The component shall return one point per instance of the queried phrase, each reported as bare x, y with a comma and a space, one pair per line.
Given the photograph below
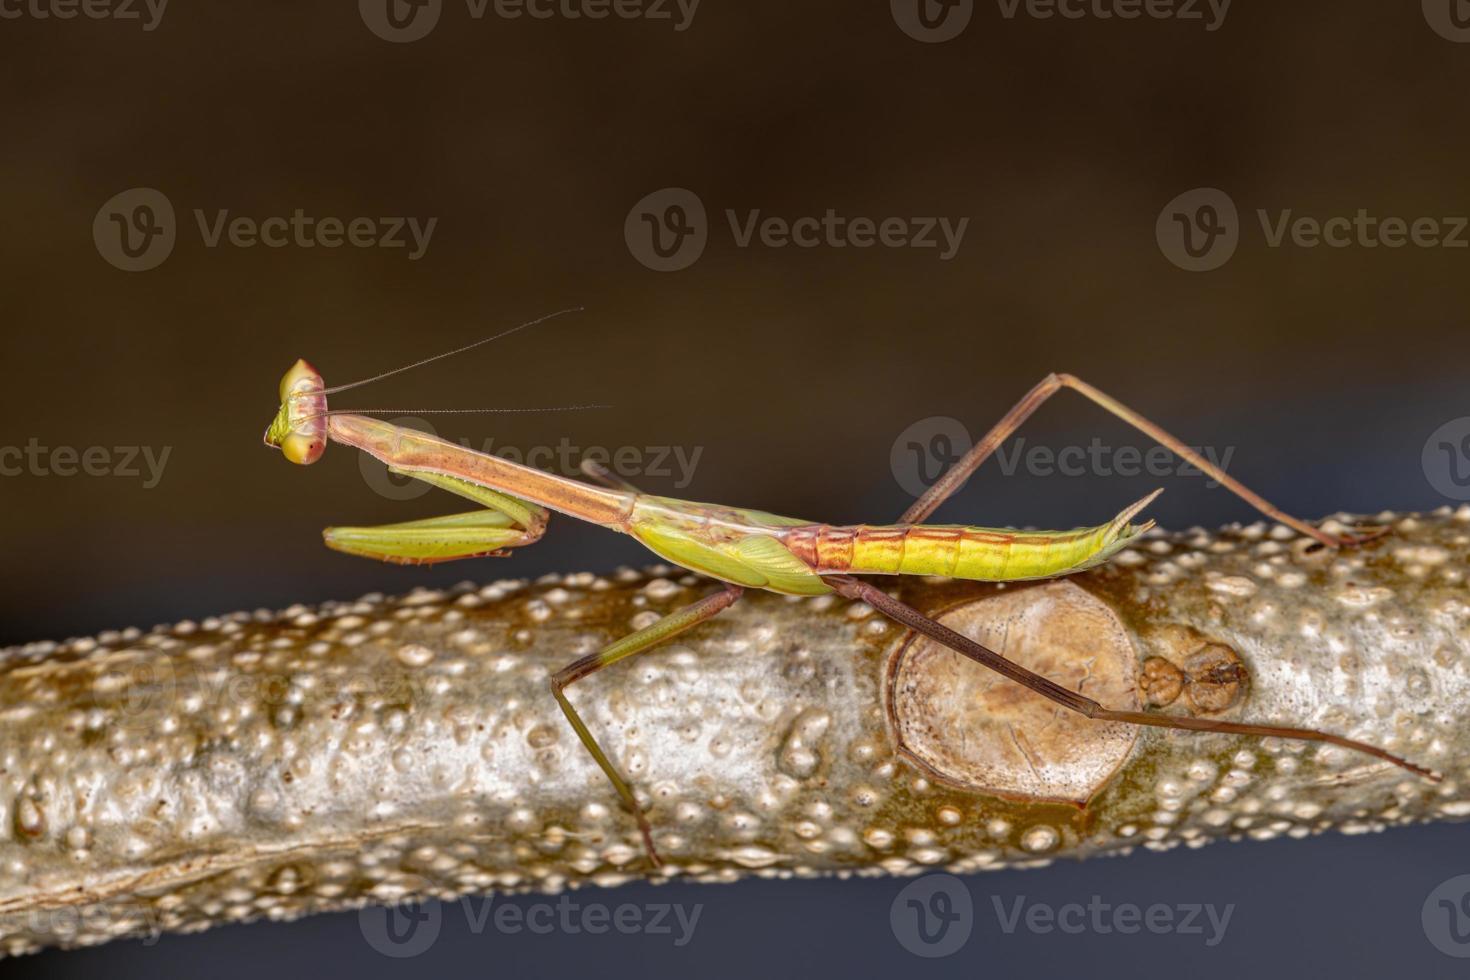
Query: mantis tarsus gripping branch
749, 548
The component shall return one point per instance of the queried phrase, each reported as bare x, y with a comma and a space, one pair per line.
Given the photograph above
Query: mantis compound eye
303, 450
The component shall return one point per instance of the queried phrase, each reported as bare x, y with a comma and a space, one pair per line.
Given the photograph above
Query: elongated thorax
410, 450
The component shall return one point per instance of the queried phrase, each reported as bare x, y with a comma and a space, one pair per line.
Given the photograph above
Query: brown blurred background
792, 370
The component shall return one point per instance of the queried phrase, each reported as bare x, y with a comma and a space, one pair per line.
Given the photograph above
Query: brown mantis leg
961, 471
906, 615
650, 636
598, 473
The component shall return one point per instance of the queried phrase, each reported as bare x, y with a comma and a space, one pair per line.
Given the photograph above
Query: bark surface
385, 749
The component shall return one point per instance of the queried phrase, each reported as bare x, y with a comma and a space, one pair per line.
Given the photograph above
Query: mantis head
299, 429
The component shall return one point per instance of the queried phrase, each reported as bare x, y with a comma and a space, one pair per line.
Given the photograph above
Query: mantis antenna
304, 401
451, 353
451, 411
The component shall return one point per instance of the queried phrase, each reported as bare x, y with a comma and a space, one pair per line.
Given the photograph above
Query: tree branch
387, 749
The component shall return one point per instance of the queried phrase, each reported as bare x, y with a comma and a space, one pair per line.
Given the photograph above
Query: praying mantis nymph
750, 549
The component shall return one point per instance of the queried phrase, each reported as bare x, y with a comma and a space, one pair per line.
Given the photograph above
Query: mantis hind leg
505, 522
650, 636
598, 473
956, 475
906, 615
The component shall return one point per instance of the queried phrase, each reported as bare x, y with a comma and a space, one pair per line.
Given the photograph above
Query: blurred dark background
792, 371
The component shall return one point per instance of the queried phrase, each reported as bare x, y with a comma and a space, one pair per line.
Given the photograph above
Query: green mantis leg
957, 474
650, 636
505, 522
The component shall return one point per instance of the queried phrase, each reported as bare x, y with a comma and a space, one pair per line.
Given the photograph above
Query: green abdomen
956, 551
978, 553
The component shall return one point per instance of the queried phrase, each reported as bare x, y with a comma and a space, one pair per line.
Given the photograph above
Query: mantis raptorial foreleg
906, 615
961, 471
506, 522
648, 637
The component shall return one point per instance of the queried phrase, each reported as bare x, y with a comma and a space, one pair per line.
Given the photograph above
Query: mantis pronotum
749, 548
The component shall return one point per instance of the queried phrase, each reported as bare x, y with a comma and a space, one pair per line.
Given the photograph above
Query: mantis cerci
750, 549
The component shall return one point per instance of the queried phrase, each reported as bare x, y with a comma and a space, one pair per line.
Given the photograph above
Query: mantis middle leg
961, 471
650, 636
